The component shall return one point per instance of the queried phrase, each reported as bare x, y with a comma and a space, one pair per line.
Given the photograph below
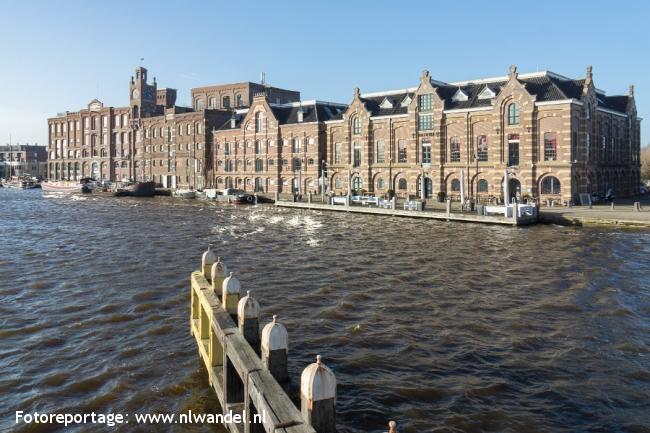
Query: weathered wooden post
230, 294
318, 397
275, 349
207, 260
217, 275
392, 427
248, 319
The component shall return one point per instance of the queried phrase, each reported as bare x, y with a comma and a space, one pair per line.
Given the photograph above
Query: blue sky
57, 56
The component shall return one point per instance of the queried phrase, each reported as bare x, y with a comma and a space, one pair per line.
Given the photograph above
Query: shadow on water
440, 326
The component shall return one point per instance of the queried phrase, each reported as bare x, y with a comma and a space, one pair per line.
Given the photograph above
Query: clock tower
142, 96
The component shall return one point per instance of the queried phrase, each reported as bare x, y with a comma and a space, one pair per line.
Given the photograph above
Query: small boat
62, 186
140, 189
184, 193
246, 199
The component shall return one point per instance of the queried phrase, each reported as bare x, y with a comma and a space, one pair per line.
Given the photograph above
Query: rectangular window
402, 151
381, 158
296, 145
513, 149
337, 153
454, 149
259, 165
425, 122
482, 148
357, 154
426, 102
426, 152
550, 146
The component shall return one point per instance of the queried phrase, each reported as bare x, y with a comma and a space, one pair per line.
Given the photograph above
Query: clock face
135, 94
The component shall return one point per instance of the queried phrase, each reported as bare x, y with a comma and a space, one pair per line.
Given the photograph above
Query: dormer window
459, 96
406, 101
386, 104
486, 93
513, 114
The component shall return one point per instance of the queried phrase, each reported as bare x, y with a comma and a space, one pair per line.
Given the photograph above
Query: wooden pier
247, 368
515, 220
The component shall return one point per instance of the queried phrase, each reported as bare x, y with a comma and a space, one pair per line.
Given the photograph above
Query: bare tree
645, 163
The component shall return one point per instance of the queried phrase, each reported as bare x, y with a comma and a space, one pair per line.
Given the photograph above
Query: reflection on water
441, 326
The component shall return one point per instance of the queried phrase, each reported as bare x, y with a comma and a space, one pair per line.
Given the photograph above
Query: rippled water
441, 326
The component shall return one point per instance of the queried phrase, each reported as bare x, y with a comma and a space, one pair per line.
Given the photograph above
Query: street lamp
323, 184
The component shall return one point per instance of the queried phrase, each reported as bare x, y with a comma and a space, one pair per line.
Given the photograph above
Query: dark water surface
443, 327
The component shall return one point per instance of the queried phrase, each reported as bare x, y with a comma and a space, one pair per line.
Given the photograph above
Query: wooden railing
248, 369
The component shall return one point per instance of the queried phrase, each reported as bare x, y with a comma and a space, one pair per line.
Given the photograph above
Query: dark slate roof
373, 104
288, 114
616, 103
314, 112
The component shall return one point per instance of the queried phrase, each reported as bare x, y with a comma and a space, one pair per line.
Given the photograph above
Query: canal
441, 326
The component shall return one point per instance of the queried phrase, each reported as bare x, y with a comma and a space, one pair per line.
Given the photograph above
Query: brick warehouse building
557, 137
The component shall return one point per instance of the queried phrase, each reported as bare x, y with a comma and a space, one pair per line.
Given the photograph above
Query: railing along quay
514, 214
247, 368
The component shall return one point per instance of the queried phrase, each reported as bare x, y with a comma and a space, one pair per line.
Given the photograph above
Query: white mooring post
275, 350
217, 275
309, 197
248, 319
393, 203
230, 294
277, 197
207, 260
318, 397
392, 427
448, 210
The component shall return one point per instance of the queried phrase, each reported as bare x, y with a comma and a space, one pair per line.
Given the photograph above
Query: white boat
184, 193
61, 186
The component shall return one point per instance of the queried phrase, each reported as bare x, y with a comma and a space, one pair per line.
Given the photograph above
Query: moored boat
61, 186
140, 189
184, 193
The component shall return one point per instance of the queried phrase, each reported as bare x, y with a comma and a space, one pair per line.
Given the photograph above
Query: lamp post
323, 185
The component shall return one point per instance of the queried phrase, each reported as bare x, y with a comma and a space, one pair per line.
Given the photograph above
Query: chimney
233, 121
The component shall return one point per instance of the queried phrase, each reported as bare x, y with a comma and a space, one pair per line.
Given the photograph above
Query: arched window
225, 102
356, 125
513, 114
212, 102
550, 185
401, 185
550, 146
455, 185
259, 121
200, 104
258, 147
482, 186
588, 110
239, 101
198, 128
380, 183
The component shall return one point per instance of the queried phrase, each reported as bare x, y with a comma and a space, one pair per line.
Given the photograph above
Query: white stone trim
389, 116
559, 102
464, 110
389, 92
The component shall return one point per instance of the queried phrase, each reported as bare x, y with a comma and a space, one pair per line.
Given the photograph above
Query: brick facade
556, 137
